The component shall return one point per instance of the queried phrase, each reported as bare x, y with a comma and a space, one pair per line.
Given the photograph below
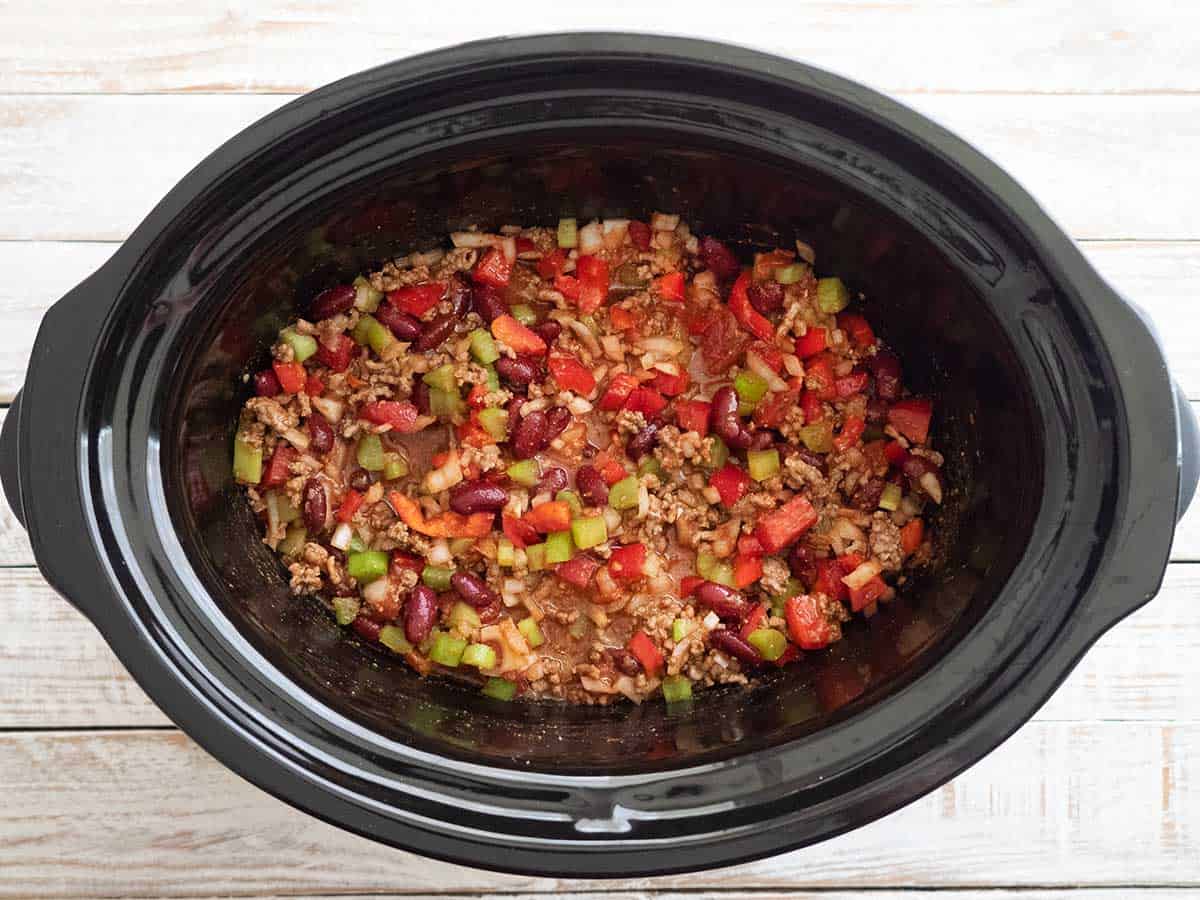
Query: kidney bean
724, 601
548, 331
491, 612
320, 433
557, 420
435, 332
642, 442
518, 370
315, 506
726, 640
866, 495
761, 440
625, 661
803, 563
725, 421
458, 293
477, 496
514, 412
420, 395
367, 628
592, 485
718, 257
553, 481
331, 302
766, 296
885, 366
404, 326
816, 460
266, 384
488, 302
359, 480
420, 613
531, 435
472, 589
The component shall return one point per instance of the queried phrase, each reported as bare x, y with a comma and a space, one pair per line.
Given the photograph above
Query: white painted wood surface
1094, 106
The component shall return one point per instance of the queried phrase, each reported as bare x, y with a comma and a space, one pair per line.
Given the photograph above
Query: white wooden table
1094, 106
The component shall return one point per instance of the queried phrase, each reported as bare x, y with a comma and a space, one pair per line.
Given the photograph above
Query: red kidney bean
488, 302
642, 442
420, 395
624, 661
866, 495
803, 563
557, 420
724, 601
266, 384
718, 257
531, 435
766, 296
458, 292
359, 480
592, 485
726, 640
548, 331
320, 433
491, 612
472, 589
477, 496
761, 440
514, 412
331, 302
885, 366
420, 613
404, 326
367, 628
315, 506
725, 421
816, 460
518, 370
554, 480
435, 332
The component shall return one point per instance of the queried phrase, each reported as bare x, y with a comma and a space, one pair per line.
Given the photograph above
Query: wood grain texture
211, 45
1121, 893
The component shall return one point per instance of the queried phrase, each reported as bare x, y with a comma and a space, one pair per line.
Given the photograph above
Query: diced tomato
619, 389
748, 545
525, 245
494, 269
774, 407
647, 654
401, 415
693, 415
401, 561
514, 334
849, 562
611, 470
808, 628
568, 286
688, 584
476, 395
819, 377
645, 400
554, 515
863, 597
277, 471
697, 319
592, 272
747, 570
628, 563
747, 316
340, 356
911, 536
572, 375
858, 329
671, 286
909, 417
291, 375
578, 570
770, 354
753, 621
671, 385
551, 265
895, 453
622, 319
722, 342
731, 483
350, 504
781, 527
417, 299
851, 431
811, 344
520, 532
849, 385
810, 405
829, 579
473, 434
639, 234
314, 386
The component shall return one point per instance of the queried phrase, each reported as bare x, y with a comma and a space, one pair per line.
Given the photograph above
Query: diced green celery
378, 335
535, 557
463, 617
719, 454
832, 296
506, 553
777, 605
890, 498
366, 298
361, 330
393, 638
589, 532
579, 627
481, 656
394, 466
568, 234
524, 314
495, 422
356, 545
624, 494
247, 462
444, 403
680, 629
441, 378
303, 345
558, 547
533, 634
722, 573
437, 577
493, 379
483, 347
817, 437
447, 650
500, 689
768, 642
524, 473
367, 566
370, 452
746, 408
676, 689
650, 466
345, 609
293, 542
763, 464
704, 564
572, 500
750, 387
283, 506
789, 274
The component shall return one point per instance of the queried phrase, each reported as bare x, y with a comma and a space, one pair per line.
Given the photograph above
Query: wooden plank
1152, 893
281, 46
147, 813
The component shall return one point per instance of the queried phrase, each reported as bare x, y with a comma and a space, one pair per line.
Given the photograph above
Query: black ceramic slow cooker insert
1069, 448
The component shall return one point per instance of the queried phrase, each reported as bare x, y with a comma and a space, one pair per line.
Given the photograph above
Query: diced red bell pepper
520, 532
808, 628
619, 389
829, 579
731, 483
494, 269
350, 504
909, 417
753, 621
811, 344
748, 545
314, 386
568, 286
524, 340
639, 235
693, 415
847, 386
747, 316
858, 329
671, 385
774, 407
291, 375
895, 453
622, 319
747, 570
628, 562
401, 415
572, 375
646, 400
475, 396
647, 654
610, 470
551, 265
578, 570
277, 471
554, 515
849, 562
592, 272
671, 286
851, 431
781, 527
863, 597
911, 536
417, 299
819, 377
810, 405
689, 583
338, 358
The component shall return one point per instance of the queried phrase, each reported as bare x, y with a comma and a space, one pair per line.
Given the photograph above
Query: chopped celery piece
680, 629
676, 689
579, 627
370, 452
568, 234
890, 498
500, 689
533, 634
361, 330
447, 650
535, 557
768, 642
650, 466
524, 473
481, 656
345, 609
719, 454
495, 422
506, 553
589, 532
572, 500
832, 296
558, 547
524, 314
367, 566
777, 605
789, 274
247, 462
356, 545
817, 437
437, 577
463, 617
705, 563
287, 512
763, 464
483, 347
303, 345
746, 408
624, 494
493, 379
366, 298
750, 387
293, 542
441, 378
444, 403
722, 573
378, 335
394, 466
393, 638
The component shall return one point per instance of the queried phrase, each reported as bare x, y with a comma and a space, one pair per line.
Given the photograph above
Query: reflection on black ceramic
1056, 412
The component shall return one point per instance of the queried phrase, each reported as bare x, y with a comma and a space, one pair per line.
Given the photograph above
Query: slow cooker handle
1189, 452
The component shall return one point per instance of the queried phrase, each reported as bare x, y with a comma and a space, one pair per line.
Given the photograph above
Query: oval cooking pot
1069, 451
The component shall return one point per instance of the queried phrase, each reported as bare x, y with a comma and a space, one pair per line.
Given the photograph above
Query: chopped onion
792, 363
669, 367
612, 519
579, 406
584, 333
805, 252
605, 583
663, 346
613, 348
663, 222
342, 536
376, 592
598, 616
759, 367
626, 686
932, 485
535, 609
475, 239
591, 238
643, 501
328, 407
444, 477
710, 621
595, 685
439, 553
858, 579
296, 438
508, 247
